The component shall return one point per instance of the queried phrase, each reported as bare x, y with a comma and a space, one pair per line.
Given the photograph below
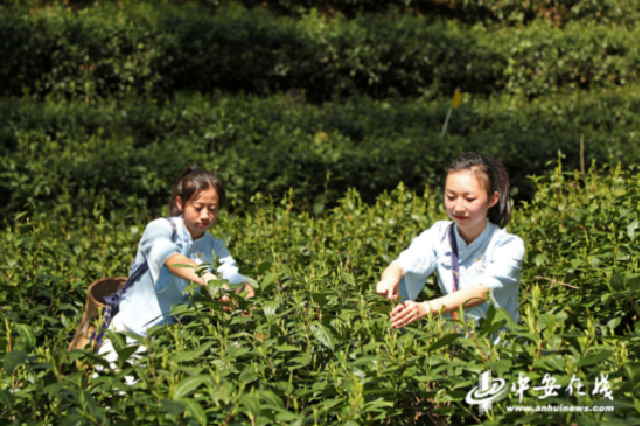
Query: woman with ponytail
157, 276
475, 258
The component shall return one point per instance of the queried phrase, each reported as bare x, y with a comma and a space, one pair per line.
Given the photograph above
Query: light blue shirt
493, 260
148, 301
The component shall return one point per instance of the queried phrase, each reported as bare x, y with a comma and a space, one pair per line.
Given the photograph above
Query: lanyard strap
112, 301
455, 266
455, 263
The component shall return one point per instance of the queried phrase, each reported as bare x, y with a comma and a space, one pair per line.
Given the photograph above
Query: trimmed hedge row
65, 152
161, 49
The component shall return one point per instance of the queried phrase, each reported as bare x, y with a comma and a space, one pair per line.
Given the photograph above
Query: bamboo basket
95, 300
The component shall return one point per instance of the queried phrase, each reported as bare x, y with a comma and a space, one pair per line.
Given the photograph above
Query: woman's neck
470, 237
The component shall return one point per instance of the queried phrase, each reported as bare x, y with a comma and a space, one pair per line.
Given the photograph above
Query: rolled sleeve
502, 275
419, 260
157, 246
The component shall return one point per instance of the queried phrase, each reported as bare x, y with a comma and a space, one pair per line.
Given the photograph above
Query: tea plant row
159, 48
318, 349
69, 155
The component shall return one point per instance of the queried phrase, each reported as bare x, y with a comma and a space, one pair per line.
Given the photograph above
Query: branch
553, 282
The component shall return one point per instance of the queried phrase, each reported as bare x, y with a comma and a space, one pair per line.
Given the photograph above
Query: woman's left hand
407, 312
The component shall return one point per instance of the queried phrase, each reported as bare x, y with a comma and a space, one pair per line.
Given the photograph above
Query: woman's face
200, 213
467, 203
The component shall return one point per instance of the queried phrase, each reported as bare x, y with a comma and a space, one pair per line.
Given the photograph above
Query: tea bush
69, 153
157, 48
319, 349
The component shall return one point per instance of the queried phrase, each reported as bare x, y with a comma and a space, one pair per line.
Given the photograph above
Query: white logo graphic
486, 392
490, 390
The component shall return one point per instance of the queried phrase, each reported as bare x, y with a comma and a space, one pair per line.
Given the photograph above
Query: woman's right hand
388, 288
208, 276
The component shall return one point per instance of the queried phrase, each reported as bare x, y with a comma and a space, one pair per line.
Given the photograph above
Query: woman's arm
467, 298
388, 284
187, 273
190, 273
408, 312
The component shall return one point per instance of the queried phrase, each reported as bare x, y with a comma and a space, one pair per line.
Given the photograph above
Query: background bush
161, 48
68, 152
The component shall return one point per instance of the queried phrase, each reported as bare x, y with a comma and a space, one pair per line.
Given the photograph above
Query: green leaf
214, 286
540, 259
595, 358
13, 359
73, 419
442, 342
323, 334
88, 403
175, 408
26, 335
321, 298
270, 398
631, 230
264, 267
6, 398
188, 385
286, 348
616, 281
270, 307
271, 276
287, 416
632, 284
190, 355
348, 278
125, 353
251, 403
194, 409
576, 263
189, 288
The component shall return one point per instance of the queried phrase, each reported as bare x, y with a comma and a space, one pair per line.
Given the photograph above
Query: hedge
110, 49
61, 152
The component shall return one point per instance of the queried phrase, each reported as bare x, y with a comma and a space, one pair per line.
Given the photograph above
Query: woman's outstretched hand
388, 288
407, 312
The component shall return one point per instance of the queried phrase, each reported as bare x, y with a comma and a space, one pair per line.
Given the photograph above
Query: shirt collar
479, 240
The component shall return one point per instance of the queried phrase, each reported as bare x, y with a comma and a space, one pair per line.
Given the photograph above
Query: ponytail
495, 178
191, 181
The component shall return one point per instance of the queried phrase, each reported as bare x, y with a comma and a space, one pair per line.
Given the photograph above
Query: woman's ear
179, 202
494, 199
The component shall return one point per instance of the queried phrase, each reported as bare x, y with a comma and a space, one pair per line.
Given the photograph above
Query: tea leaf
323, 334
595, 358
27, 336
270, 307
348, 278
6, 398
188, 385
540, 259
190, 355
442, 342
14, 359
271, 276
195, 410
173, 407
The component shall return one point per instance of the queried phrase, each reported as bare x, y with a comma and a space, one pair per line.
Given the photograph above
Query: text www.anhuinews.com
561, 408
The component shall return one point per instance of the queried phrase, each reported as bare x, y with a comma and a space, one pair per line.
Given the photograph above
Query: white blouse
493, 260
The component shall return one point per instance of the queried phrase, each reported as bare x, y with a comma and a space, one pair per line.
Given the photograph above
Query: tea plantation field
318, 348
324, 119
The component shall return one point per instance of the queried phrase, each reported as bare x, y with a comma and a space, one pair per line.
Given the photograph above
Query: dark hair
190, 183
494, 176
